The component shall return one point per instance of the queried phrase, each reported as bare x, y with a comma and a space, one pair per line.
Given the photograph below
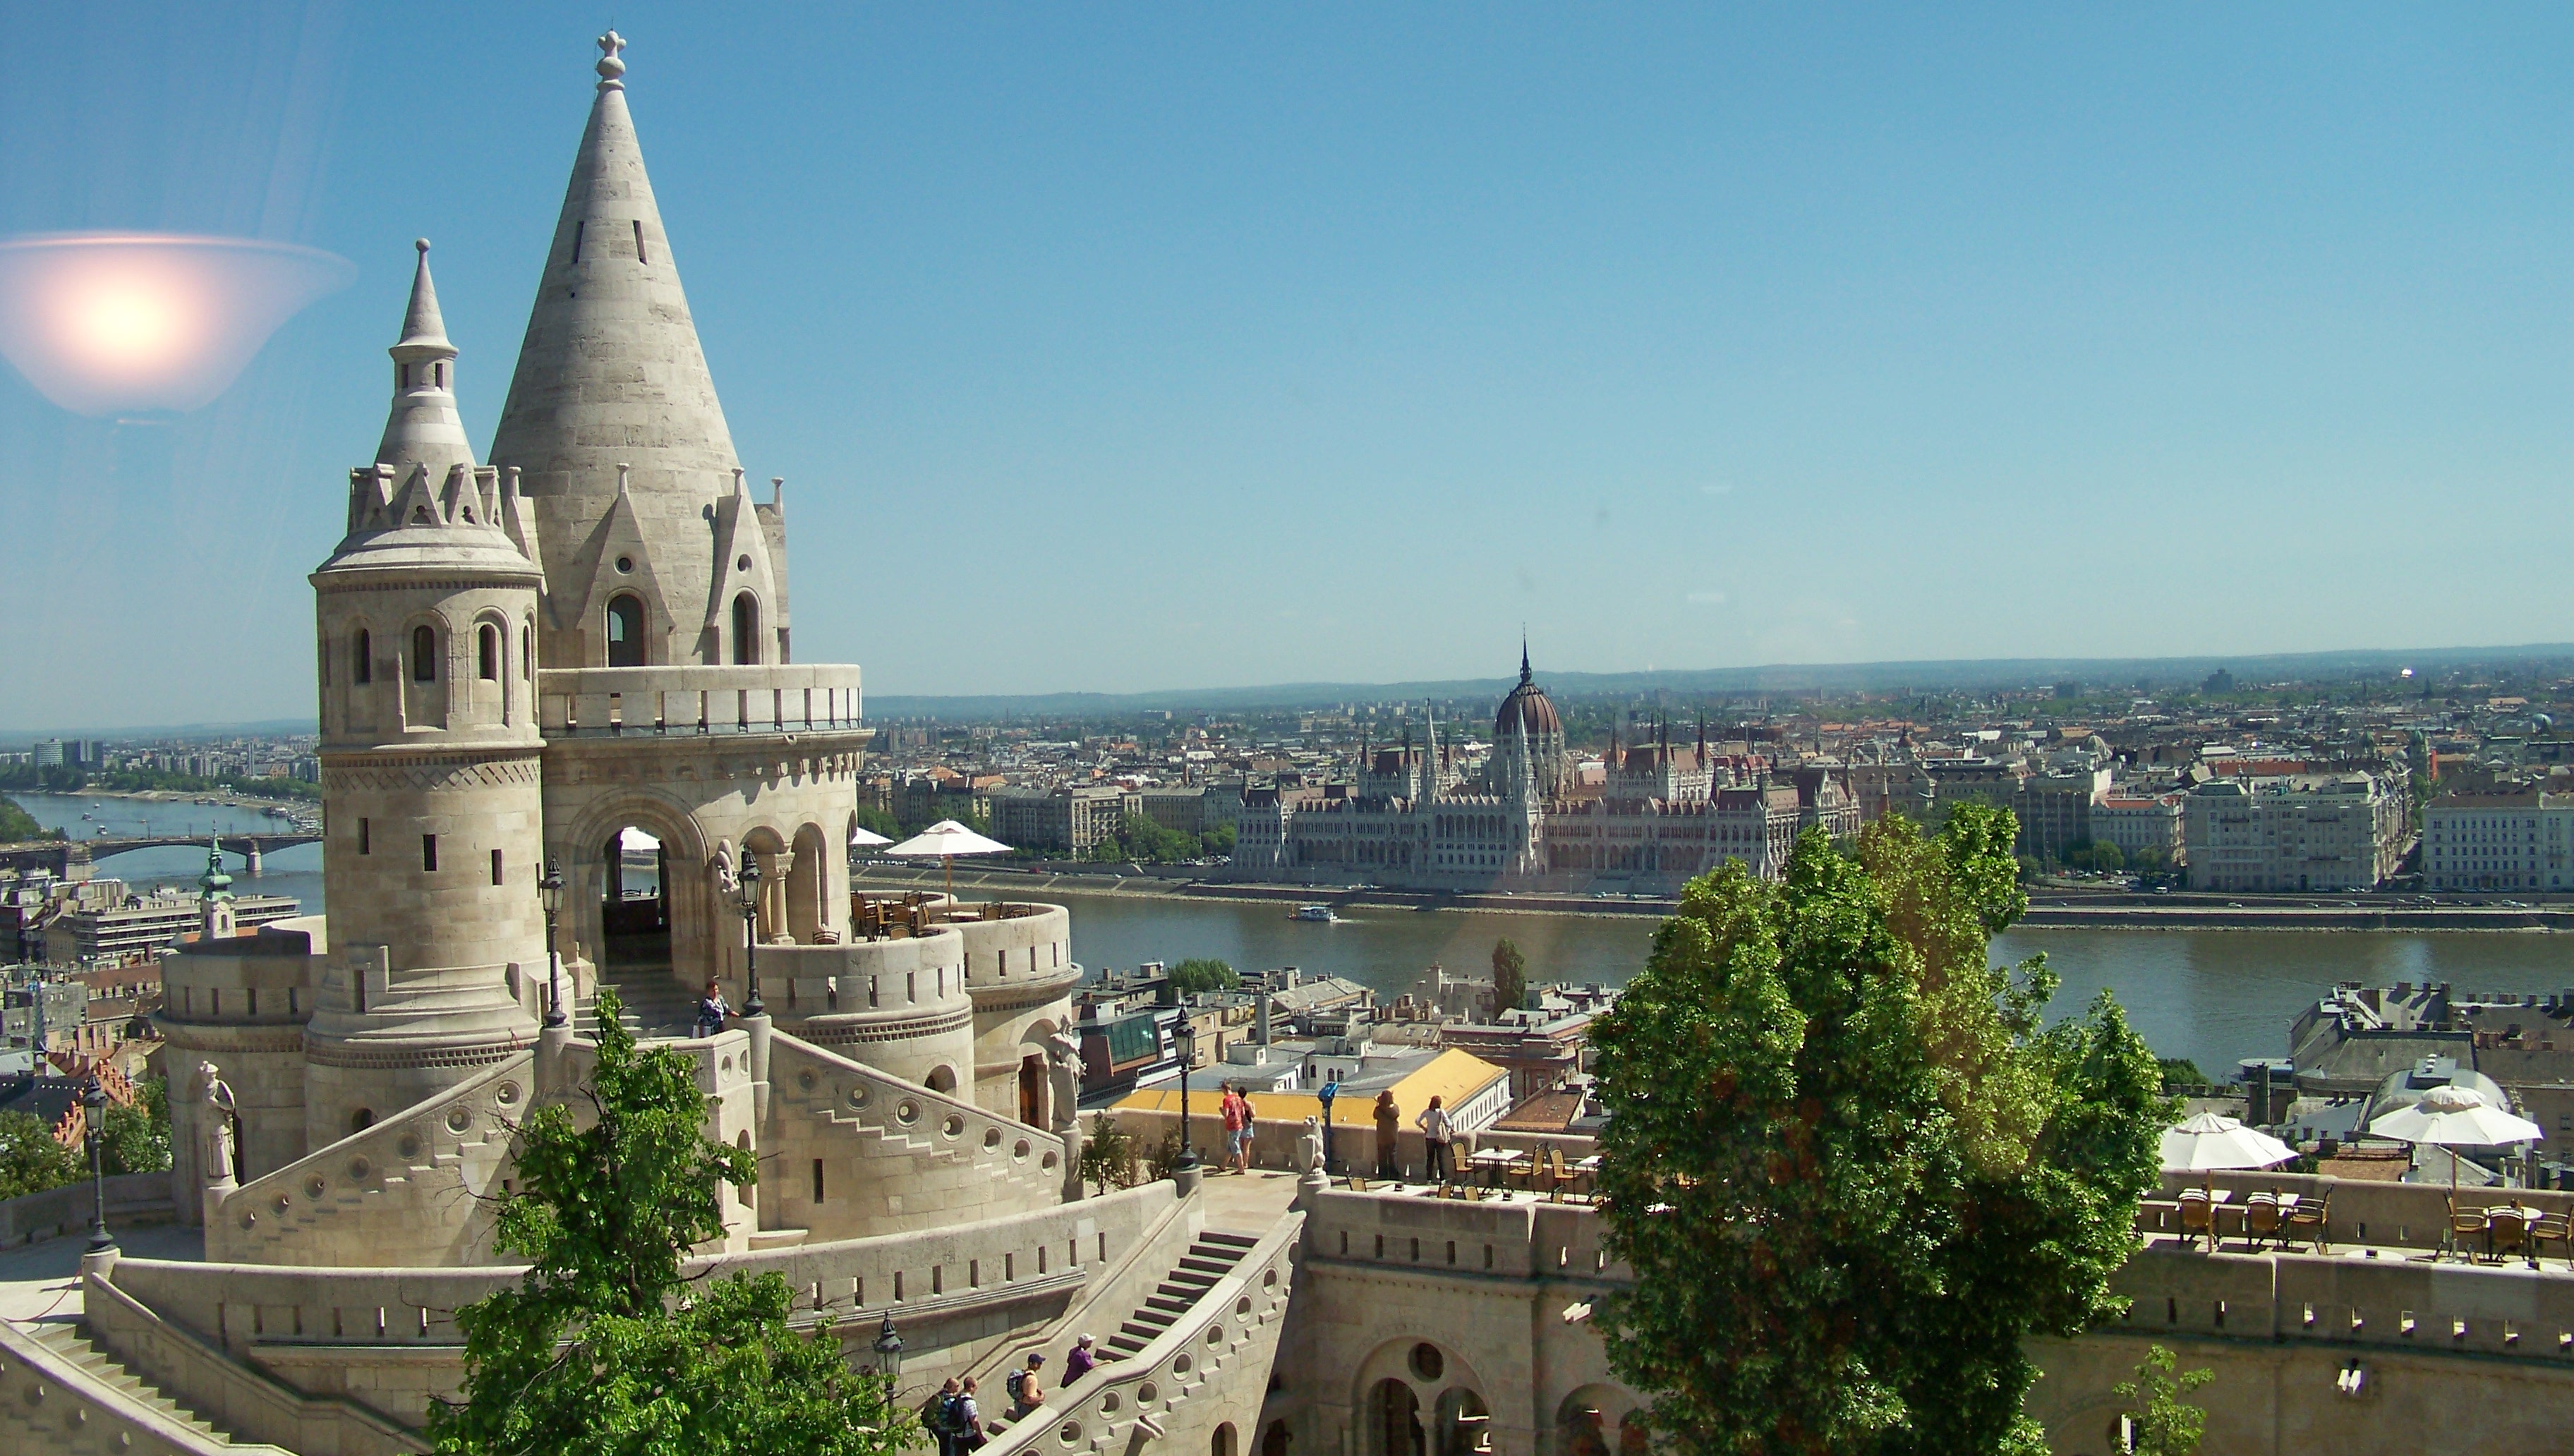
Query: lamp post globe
550, 892
750, 1003
93, 1114
888, 1348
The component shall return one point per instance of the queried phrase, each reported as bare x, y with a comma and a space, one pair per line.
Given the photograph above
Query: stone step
75, 1346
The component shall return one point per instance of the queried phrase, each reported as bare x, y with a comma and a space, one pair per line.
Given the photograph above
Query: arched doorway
805, 888
1273, 1442
635, 902
626, 630
1223, 1442
1394, 1415
1032, 1090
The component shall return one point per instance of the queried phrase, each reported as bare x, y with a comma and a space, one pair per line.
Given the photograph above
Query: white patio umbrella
944, 840
865, 838
2451, 1116
2208, 1143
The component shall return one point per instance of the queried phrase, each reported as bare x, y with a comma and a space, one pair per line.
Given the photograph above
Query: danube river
2214, 996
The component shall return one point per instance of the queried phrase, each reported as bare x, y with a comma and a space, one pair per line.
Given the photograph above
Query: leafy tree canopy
30, 1161
136, 1138
604, 1348
16, 824
1202, 973
2164, 1423
1848, 1166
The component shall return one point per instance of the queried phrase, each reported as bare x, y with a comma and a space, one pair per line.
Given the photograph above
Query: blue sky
1124, 348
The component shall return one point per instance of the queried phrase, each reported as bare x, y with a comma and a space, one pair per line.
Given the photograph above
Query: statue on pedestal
221, 1169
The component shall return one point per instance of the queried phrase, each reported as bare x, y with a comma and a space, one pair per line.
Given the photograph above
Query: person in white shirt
1436, 1135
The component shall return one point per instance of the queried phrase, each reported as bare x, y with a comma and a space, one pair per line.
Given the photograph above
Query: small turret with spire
215, 897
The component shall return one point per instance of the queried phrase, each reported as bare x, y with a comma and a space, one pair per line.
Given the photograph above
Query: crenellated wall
1019, 971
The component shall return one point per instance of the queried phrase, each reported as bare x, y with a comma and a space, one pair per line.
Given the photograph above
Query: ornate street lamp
888, 1346
1185, 1037
751, 1003
94, 1113
550, 890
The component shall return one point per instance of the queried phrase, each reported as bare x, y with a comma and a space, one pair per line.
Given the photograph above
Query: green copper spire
214, 880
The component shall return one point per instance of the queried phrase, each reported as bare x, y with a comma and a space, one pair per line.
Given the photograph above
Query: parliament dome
1527, 710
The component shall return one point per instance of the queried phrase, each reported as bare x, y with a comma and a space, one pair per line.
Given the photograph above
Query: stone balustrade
1210, 1368
754, 699
2511, 1312
1522, 1239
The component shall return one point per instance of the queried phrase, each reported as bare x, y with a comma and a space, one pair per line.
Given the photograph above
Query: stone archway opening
807, 914
634, 900
1032, 1089
1394, 1420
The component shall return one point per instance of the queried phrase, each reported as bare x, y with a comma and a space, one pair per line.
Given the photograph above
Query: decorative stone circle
991, 1138
907, 1113
804, 1081
1242, 1306
1215, 1336
1427, 1362
359, 1168
724, 1064
1269, 1280
314, 1186
1070, 1435
508, 1094
1047, 1161
858, 1096
458, 1119
284, 1203
1108, 1402
1146, 1394
953, 1128
409, 1147
1180, 1364
249, 1219
1019, 1150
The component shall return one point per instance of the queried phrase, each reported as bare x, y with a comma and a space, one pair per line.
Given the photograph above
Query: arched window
526, 652
625, 632
746, 628
424, 655
487, 654
366, 664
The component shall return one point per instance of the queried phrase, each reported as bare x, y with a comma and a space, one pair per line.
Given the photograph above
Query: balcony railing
616, 702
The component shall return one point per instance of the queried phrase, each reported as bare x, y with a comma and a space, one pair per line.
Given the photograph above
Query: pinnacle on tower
421, 428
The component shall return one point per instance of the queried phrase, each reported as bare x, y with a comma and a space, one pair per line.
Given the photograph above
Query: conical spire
612, 373
1525, 678
421, 428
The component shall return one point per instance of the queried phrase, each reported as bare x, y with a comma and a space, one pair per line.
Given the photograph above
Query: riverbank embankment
2045, 912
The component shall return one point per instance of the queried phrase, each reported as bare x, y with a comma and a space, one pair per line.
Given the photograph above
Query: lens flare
126, 323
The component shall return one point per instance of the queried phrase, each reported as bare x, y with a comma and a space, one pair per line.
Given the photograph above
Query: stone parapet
694, 700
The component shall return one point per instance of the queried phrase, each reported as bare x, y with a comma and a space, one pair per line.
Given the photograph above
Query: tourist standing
1083, 1359
1389, 1125
1435, 1133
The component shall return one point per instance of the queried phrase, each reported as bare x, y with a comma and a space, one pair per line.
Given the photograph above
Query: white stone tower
430, 761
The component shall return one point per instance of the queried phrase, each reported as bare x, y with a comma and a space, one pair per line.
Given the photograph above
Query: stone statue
1309, 1146
1063, 1062
220, 1118
727, 882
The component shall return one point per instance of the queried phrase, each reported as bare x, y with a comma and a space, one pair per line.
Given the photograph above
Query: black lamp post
550, 890
1185, 1037
888, 1348
751, 1003
94, 1113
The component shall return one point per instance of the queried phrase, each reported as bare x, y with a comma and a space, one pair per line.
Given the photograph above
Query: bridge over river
72, 859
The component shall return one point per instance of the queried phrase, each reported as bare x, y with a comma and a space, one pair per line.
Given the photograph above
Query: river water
2214, 996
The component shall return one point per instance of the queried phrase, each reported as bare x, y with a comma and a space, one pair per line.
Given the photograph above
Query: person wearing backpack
1026, 1394
970, 1419
941, 1416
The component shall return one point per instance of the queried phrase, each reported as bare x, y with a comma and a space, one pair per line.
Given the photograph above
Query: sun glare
110, 322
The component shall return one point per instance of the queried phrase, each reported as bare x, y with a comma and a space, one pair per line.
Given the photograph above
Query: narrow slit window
424, 655
577, 229
365, 656
429, 853
362, 836
640, 255
488, 653
495, 866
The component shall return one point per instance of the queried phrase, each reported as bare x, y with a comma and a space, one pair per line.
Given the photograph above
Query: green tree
881, 822
1850, 1166
1222, 840
16, 824
604, 1348
30, 1161
2164, 1422
1203, 974
136, 1138
1510, 977
1108, 1155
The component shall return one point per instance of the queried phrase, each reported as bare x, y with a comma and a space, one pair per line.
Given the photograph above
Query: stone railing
2512, 1311
893, 1155
48, 1403
232, 1394
132, 1198
408, 1190
1211, 1366
612, 701
387, 1337
1521, 1239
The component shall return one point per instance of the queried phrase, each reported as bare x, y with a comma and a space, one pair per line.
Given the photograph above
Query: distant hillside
1980, 673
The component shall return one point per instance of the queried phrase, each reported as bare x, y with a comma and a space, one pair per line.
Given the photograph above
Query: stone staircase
1209, 1258
74, 1344
650, 1004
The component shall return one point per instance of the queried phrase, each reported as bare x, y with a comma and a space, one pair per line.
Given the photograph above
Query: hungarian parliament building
1658, 814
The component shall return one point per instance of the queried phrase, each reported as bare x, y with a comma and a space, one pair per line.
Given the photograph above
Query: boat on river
1318, 915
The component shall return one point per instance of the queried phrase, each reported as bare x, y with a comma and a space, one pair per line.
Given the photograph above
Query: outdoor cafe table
1491, 1161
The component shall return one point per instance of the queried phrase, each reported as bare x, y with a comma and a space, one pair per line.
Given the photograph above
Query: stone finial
610, 67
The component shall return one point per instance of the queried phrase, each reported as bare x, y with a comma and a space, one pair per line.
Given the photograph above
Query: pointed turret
422, 428
611, 374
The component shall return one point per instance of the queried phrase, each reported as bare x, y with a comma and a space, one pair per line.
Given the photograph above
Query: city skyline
1238, 350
